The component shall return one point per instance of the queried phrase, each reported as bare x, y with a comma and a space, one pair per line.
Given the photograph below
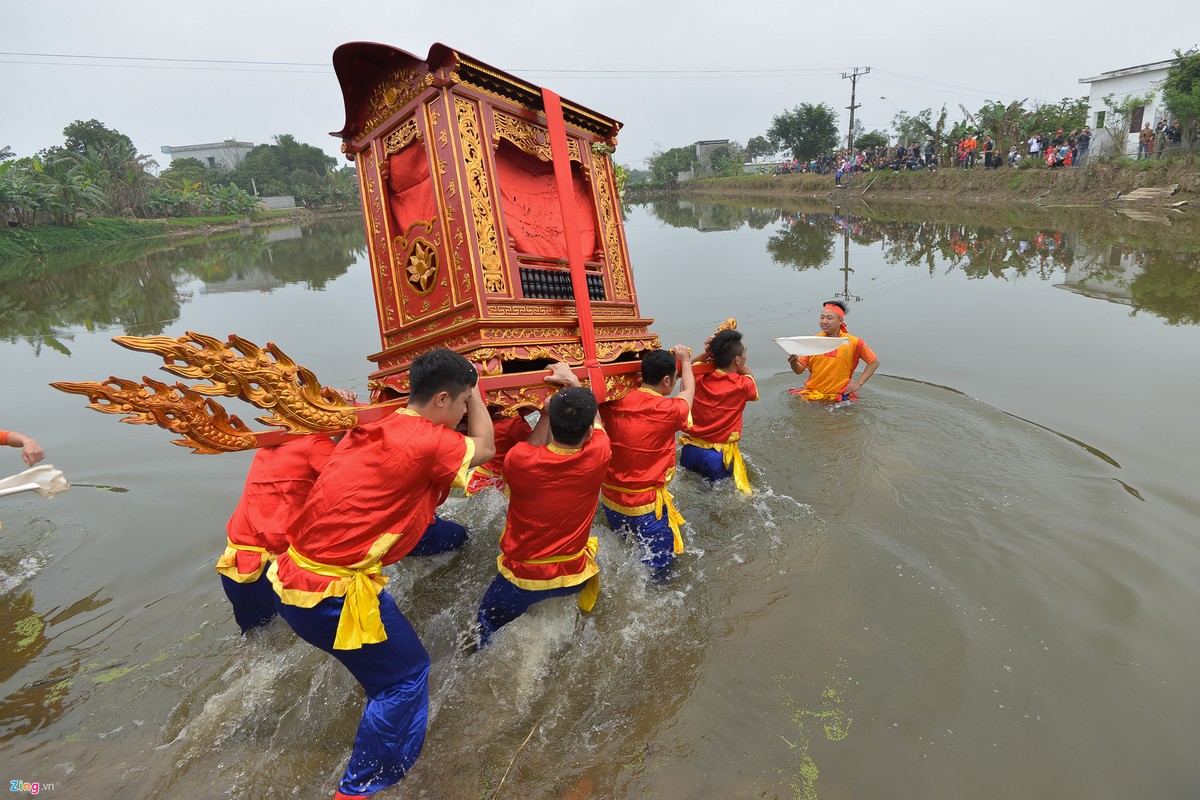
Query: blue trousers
504, 601
394, 674
253, 603
441, 536
653, 534
706, 462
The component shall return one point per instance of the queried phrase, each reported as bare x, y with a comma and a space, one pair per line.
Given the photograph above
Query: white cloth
43, 479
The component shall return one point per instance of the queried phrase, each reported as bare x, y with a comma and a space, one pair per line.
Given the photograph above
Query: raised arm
797, 364
687, 380
479, 428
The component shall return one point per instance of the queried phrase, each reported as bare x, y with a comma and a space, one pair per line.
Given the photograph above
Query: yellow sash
359, 622
731, 457
591, 588
227, 563
662, 500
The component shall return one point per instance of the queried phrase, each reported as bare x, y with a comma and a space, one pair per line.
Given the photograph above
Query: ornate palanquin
489, 204
465, 228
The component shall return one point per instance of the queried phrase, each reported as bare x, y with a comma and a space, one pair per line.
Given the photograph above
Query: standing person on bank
370, 507
832, 374
642, 426
710, 443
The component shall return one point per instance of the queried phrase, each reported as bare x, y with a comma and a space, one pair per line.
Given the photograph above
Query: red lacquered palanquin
464, 225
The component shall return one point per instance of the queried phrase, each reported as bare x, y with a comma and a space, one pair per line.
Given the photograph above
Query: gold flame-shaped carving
263, 377
202, 422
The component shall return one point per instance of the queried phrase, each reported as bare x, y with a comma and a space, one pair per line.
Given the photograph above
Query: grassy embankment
1096, 184
16, 243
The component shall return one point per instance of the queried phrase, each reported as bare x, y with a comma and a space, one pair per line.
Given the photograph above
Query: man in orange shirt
710, 443
642, 426
832, 378
369, 507
553, 482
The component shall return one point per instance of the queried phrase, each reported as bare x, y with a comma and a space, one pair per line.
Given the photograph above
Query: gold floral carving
393, 93
422, 267
402, 137
530, 138
481, 198
612, 239
265, 378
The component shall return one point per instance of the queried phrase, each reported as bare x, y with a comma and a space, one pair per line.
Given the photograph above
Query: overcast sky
672, 72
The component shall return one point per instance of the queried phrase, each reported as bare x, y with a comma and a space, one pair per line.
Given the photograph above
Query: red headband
835, 309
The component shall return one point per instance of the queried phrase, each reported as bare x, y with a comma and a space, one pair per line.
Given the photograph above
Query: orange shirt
831, 372
373, 499
3, 437
721, 398
552, 499
642, 427
277, 485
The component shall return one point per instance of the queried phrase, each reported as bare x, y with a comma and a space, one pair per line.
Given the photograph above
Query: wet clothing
832, 372
371, 506
546, 544
277, 485
721, 398
642, 427
507, 431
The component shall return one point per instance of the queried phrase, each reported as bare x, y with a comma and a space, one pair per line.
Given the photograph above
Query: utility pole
853, 76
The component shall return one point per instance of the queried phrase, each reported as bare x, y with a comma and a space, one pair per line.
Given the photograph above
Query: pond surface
978, 581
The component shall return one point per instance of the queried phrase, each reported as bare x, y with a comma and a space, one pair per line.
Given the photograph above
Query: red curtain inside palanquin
410, 188
532, 214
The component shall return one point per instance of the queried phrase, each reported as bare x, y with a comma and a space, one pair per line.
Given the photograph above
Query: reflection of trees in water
1122, 257
139, 294
804, 240
1169, 287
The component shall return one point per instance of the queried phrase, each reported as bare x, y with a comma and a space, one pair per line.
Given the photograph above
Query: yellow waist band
359, 622
731, 457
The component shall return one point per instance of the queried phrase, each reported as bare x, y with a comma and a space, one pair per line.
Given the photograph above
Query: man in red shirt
642, 426
369, 507
553, 482
509, 431
277, 485
710, 444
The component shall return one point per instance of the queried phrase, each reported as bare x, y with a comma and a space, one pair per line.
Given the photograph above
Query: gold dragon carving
392, 93
530, 138
402, 137
481, 199
202, 422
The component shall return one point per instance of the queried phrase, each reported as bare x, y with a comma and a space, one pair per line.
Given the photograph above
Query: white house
1143, 80
224, 155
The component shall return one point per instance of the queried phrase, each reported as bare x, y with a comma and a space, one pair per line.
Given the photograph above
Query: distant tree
805, 131
666, 166
727, 160
1181, 91
286, 167
759, 147
870, 139
912, 129
80, 135
1003, 121
1117, 116
6, 153
1066, 114
187, 171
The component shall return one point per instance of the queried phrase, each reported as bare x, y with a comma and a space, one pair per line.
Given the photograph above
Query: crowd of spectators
1057, 150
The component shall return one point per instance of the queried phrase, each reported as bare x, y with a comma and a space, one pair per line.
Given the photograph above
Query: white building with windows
1141, 81
225, 156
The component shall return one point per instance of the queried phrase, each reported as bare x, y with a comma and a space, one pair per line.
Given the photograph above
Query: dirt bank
1097, 184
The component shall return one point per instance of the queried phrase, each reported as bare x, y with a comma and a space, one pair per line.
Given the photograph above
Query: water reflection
1093, 252
138, 287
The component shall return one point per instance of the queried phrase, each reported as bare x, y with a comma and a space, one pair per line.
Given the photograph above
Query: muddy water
977, 581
